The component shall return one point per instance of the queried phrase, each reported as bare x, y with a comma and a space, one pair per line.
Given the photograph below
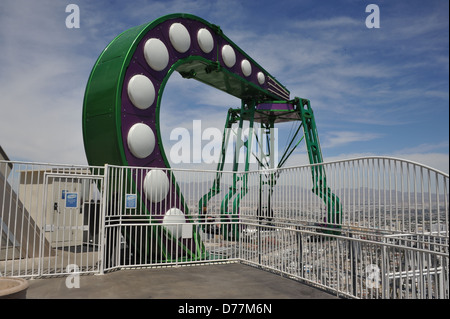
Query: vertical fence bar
102, 219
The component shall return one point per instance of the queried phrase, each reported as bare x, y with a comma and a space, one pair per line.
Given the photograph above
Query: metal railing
390, 239
49, 218
376, 194
137, 233
351, 267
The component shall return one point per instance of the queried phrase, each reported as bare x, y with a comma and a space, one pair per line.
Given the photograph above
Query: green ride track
121, 120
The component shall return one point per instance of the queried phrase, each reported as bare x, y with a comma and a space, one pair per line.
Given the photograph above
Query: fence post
102, 219
338, 282
384, 277
353, 268
300, 252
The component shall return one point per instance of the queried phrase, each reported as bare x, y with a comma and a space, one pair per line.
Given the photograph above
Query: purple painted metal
278, 112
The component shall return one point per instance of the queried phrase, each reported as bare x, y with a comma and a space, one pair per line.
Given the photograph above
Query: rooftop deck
211, 281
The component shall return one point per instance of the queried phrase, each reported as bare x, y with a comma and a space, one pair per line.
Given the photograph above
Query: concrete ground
218, 281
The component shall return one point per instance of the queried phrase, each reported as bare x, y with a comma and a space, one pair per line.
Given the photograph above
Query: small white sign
186, 231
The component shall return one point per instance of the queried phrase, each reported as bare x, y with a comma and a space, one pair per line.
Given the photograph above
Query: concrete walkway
218, 281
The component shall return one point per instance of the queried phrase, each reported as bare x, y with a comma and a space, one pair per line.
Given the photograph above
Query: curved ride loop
121, 124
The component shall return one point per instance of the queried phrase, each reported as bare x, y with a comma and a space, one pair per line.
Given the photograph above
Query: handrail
353, 159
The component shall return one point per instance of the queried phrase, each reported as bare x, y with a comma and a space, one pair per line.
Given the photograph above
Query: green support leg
320, 187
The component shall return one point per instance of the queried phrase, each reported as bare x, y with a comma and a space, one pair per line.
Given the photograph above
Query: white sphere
174, 216
228, 55
261, 78
205, 40
179, 37
246, 67
141, 140
156, 185
141, 91
156, 54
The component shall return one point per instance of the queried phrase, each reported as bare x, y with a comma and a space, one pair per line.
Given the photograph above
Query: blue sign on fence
130, 201
71, 200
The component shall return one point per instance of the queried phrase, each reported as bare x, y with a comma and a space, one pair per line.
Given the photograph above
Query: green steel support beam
247, 111
320, 186
232, 117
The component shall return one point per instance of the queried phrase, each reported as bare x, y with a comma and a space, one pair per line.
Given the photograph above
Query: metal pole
102, 232
353, 268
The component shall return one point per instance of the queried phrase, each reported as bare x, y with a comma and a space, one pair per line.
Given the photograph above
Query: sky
374, 91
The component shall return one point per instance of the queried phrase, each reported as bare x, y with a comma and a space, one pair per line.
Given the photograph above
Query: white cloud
328, 23
437, 161
42, 84
424, 148
336, 139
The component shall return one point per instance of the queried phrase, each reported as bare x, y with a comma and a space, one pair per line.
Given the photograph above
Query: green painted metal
215, 188
102, 118
320, 186
102, 114
307, 122
247, 112
102, 103
101, 106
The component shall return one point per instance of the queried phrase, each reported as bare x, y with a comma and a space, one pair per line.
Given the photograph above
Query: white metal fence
49, 221
378, 227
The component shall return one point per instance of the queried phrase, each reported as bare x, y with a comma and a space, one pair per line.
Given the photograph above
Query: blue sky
382, 92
